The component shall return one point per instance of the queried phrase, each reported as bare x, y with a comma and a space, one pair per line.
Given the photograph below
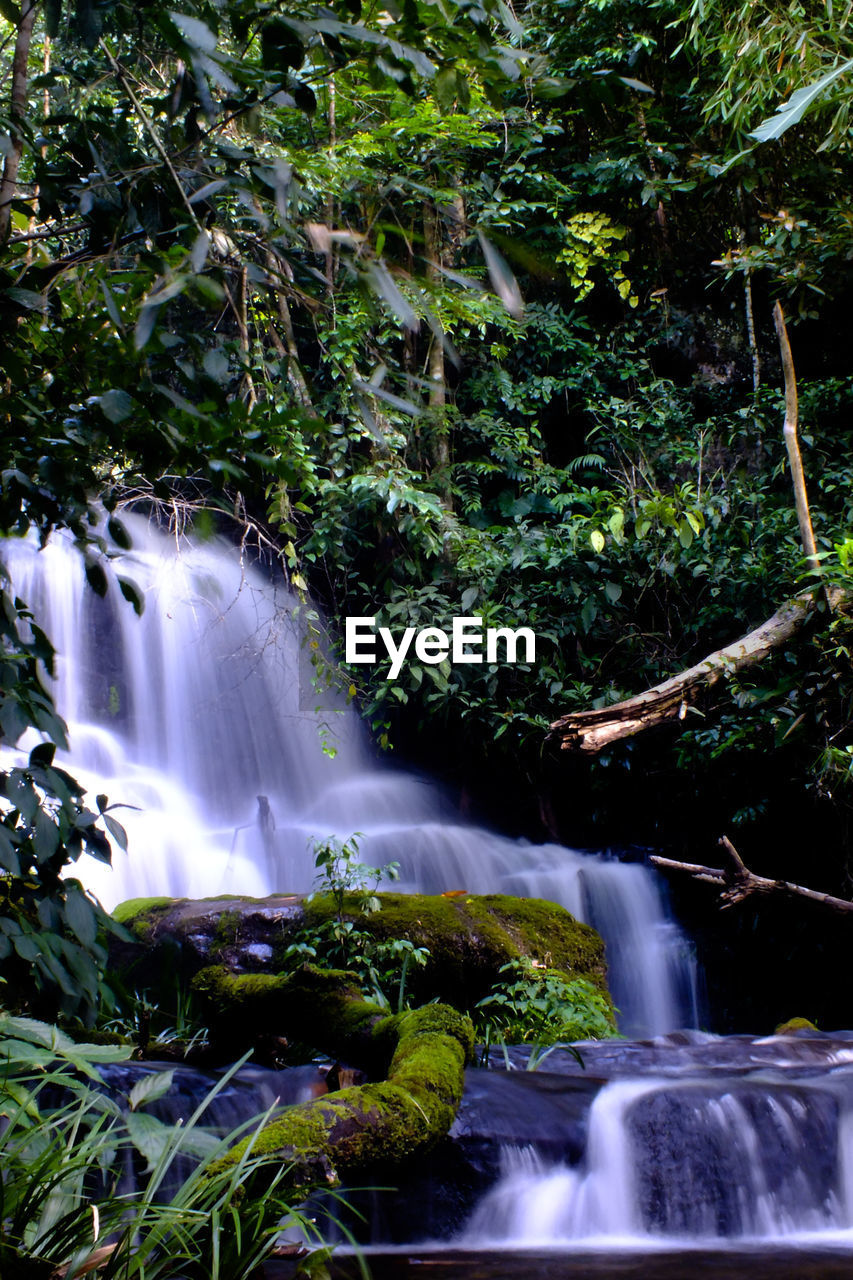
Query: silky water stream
655, 1157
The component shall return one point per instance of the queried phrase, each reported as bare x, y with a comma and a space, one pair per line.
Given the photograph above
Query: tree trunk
436, 372
792, 443
17, 113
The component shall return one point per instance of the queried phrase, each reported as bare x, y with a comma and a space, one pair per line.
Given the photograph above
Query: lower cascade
202, 716
683, 1141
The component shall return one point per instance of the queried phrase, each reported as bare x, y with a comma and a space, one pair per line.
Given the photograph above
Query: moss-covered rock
322, 1008
469, 937
793, 1025
173, 938
376, 1126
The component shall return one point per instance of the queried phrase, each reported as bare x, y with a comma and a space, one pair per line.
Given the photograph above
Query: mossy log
364, 1128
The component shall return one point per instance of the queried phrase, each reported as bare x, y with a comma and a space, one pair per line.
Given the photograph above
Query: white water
205, 703
704, 1155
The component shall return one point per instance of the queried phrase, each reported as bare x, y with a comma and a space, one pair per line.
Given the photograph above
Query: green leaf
150, 1089
197, 34
597, 541
444, 88
81, 917
46, 837
639, 85
281, 48
26, 298
151, 1137
41, 756
503, 281
117, 831
116, 405
132, 595
27, 947
97, 578
119, 533
791, 112
9, 859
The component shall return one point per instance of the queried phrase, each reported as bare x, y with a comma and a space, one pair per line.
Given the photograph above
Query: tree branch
736, 882
591, 731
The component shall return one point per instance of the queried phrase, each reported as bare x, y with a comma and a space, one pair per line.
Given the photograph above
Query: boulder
470, 937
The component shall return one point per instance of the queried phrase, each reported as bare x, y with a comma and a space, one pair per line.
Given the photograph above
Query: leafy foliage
52, 932
532, 1004
381, 964
65, 1149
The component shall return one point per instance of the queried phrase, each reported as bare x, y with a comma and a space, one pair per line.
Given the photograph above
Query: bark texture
591, 731
17, 114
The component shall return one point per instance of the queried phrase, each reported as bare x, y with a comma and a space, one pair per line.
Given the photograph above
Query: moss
227, 932
322, 1008
140, 915
375, 1126
794, 1024
469, 939
93, 1036
472, 936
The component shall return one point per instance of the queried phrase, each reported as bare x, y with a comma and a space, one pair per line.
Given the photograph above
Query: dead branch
736, 882
792, 443
590, 731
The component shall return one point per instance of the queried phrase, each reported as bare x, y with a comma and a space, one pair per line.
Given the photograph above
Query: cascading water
715, 1140
203, 705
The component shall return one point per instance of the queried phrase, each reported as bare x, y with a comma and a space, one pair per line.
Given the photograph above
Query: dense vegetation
452, 308
457, 309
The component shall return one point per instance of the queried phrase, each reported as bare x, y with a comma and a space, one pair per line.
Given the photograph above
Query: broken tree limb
591, 731
736, 882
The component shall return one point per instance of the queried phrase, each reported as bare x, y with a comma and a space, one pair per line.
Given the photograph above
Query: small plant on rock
381, 964
532, 1004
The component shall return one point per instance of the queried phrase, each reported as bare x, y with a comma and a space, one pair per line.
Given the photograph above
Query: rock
793, 1025
469, 937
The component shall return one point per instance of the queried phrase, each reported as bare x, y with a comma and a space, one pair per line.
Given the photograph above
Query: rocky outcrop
469, 938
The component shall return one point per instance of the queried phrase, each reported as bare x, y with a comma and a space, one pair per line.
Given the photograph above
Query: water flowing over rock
711, 1140
206, 703
679, 1143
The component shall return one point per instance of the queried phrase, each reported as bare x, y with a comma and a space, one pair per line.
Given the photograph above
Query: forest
536, 314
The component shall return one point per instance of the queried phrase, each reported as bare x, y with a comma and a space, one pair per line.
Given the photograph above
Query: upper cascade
203, 716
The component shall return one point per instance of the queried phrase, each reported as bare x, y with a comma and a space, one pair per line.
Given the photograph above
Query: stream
672, 1152
651, 1155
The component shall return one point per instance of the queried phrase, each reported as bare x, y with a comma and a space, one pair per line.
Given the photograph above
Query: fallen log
361, 1130
736, 882
591, 731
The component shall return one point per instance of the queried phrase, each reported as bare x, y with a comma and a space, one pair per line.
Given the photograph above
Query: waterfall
687, 1151
205, 703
